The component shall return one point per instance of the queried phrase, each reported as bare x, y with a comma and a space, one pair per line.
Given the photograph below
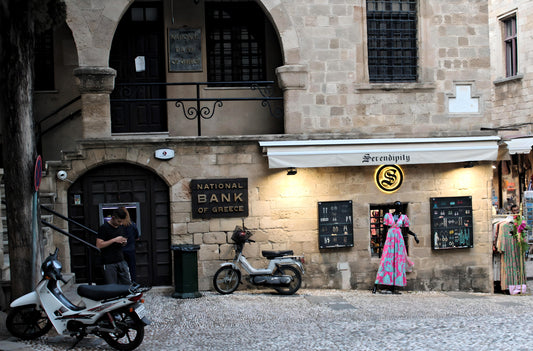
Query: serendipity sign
216, 198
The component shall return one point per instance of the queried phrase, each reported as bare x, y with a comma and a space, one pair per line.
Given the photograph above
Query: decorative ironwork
195, 112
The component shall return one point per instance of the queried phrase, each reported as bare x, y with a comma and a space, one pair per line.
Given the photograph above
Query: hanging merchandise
394, 260
527, 211
510, 243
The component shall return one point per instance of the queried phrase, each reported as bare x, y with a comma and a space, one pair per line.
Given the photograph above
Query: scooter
114, 312
284, 272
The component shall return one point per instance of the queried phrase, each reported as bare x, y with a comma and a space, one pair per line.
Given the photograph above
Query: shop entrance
122, 184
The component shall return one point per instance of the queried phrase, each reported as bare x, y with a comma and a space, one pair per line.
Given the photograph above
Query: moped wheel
226, 280
28, 322
295, 283
130, 334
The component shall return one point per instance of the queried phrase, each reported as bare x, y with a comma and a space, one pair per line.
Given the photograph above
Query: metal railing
197, 110
70, 235
42, 131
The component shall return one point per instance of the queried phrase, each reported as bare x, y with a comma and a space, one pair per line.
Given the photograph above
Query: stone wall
284, 214
513, 96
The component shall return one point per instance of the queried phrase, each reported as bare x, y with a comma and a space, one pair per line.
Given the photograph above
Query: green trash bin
186, 271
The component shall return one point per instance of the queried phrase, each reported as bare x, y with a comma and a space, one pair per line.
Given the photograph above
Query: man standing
110, 240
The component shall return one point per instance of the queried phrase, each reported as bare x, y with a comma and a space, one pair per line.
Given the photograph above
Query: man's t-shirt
113, 252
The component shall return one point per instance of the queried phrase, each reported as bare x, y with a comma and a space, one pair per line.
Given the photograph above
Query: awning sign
375, 152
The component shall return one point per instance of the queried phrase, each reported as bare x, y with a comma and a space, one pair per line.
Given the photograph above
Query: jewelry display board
335, 224
451, 223
527, 211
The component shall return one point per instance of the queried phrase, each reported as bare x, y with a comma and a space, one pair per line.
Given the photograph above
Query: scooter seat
103, 292
273, 254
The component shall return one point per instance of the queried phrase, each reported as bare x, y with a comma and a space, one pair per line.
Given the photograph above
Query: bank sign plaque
216, 198
184, 49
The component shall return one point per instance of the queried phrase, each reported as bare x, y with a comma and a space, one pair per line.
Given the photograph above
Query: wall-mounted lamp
291, 171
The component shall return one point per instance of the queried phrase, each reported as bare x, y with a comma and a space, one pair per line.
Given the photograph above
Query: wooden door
137, 54
122, 183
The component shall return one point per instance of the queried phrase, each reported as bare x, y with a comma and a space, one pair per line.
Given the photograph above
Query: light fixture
291, 171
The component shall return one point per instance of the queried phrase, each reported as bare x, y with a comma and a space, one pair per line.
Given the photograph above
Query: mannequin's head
398, 207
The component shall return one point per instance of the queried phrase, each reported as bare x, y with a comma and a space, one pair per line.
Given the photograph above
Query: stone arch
110, 184
288, 36
93, 26
93, 29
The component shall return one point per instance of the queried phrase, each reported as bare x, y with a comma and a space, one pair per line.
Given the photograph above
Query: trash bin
186, 271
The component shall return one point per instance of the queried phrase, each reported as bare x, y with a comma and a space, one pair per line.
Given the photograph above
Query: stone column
292, 79
95, 84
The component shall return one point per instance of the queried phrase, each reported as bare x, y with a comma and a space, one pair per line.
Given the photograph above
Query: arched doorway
115, 184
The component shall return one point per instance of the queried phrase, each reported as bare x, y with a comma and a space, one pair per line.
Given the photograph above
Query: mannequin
394, 258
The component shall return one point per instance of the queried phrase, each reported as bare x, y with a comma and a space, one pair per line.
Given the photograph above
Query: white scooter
282, 274
113, 312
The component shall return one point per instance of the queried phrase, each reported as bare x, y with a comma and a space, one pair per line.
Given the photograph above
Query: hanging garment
394, 258
512, 270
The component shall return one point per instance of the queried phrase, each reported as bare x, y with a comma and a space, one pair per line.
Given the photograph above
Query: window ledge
508, 79
395, 86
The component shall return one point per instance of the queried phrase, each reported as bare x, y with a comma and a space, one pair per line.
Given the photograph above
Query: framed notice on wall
451, 223
335, 224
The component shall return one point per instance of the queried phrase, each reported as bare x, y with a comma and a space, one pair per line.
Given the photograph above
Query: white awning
368, 152
519, 145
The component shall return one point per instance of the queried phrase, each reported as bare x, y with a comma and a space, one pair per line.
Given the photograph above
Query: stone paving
324, 320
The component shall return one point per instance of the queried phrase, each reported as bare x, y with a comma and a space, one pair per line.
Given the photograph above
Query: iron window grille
392, 40
510, 41
235, 42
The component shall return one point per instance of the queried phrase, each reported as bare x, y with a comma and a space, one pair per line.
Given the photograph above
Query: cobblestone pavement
325, 320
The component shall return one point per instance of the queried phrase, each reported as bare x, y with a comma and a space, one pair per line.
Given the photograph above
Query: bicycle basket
240, 235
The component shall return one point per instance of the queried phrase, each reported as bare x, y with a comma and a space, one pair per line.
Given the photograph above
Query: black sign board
451, 222
335, 224
184, 49
215, 198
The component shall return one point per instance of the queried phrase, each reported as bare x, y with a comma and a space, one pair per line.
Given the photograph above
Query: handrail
70, 235
62, 107
39, 129
126, 93
68, 219
69, 116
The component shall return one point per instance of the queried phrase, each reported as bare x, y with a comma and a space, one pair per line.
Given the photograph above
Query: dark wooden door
122, 183
137, 54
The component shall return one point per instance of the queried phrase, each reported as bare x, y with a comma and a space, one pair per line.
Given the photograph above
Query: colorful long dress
394, 257
512, 265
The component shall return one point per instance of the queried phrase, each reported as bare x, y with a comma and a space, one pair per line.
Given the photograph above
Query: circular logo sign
388, 178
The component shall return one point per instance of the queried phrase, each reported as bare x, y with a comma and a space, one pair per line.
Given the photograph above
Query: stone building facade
334, 104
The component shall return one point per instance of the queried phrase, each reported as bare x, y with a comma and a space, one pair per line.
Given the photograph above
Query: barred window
511, 61
392, 40
235, 42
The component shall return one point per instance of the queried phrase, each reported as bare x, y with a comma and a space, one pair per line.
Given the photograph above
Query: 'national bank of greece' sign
184, 49
215, 198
